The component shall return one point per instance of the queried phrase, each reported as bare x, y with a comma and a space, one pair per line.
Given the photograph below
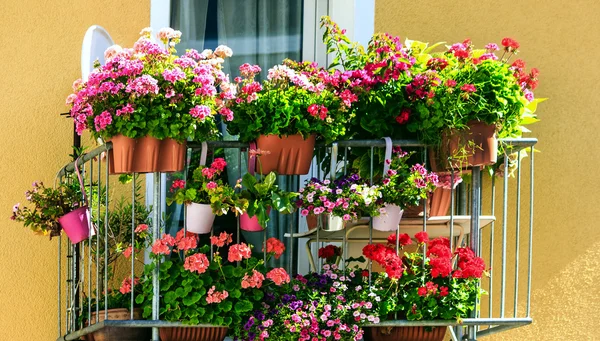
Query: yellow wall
40, 44
558, 37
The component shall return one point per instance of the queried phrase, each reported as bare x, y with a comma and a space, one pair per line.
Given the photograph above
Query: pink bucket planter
389, 220
199, 218
251, 224
76, 224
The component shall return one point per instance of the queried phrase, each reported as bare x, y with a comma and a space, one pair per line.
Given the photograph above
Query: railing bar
133, 250
91, 198
531, 169
517, 233
491, 263
156, 235
504, 226
474, 236
452, 175
371, 219
59, 286
98, 242
106, 226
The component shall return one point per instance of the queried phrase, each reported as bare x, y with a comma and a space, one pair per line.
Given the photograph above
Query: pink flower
173, 75
450, 83
237, 252
185, 242
126, 285
275, 246
200, 112
196, 263
102, 120
253, 281
470, 88
223, 239
177, 184
304, 212
160, 247
127, 109
141, 228
278, 276
219, 164
214, 296
227, 113
128, 251
208, 172
211, 185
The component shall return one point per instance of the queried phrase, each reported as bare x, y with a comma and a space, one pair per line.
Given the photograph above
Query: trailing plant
263, 194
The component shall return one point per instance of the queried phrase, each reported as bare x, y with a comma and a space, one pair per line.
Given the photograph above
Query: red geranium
510, 45
422, 237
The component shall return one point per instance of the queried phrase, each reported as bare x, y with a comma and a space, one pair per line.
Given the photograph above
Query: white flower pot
390, 220
199, 218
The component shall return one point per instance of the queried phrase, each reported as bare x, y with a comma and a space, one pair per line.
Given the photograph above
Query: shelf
436, 227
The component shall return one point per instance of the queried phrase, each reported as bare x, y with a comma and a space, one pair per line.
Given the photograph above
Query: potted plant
345, 199
262, 195
205, 196
415, 287
53, 210
286, 113
148, 101
331, 254
402, 186
481, 97
441, 197
196, 290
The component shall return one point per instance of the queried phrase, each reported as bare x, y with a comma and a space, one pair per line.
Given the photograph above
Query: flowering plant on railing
263, 194
348, 197
427, 288
445, 180
197, 287
49, 204
148, 90
405, 185
288, 102
332, 305
206, 187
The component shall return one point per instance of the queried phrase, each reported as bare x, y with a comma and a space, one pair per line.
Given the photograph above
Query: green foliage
264, 194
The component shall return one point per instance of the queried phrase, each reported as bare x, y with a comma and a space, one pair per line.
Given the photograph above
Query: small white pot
390, 220
199, 218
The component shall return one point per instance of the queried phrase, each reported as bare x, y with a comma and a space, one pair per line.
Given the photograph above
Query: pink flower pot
389, 220
251, 224
199, 218
76, 224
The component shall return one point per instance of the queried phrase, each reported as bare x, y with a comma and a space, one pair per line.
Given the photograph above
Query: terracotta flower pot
121, 154
76, 224
145, 159
199, 218
171, 156
286, 155
193, 334
438, 204
404, 334
119, 333
477, 145
390, 220
328, 222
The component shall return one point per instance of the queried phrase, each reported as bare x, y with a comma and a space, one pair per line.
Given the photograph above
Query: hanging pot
476, 145
145, 159
119, 333
121, 154
389, 220
76, 224
171, 155
404, 334
251, 224
193, 334
199, 218
286, 155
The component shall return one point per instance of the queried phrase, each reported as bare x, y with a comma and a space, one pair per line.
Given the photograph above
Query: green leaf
192, 298
243, 306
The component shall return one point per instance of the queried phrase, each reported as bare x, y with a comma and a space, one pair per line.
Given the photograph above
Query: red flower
422, 237
196, 263
450, 83
278, 276
219, 164
237, 252
177, 184
404, 239
365, 273
422, 291
275, 246
223, 239
443, 291
440, 267
518, 64
329, 251
510, 44
468, 88
403, 117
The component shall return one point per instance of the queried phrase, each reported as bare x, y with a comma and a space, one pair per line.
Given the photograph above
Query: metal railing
84, 280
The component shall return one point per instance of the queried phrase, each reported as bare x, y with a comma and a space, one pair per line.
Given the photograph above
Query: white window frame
356, 16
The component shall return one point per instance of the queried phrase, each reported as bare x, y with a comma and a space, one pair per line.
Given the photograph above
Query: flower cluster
405, 185
330, 253
348, 197
148, 90
207, 187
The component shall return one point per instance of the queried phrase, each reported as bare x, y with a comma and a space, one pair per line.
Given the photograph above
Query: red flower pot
404, 334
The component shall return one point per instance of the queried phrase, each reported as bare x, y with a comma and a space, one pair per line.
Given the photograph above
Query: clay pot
193, 334
121, 154
171, 156
119, 333
388, 221
438, 204
478, 143
76, 224
145, 157
404, 334
287, 155
199, 218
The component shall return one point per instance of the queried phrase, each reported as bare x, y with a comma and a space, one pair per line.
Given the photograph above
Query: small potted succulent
415, 287
262, 195
222, 289
286, 113
402, 186
53, 210
148, 101
206, 195
343, 200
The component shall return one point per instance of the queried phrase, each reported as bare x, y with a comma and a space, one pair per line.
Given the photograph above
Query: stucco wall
558, 38
40, 48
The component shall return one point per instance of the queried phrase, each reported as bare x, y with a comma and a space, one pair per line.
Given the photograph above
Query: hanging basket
193, 334
145, 156
76, 224
171, 156
286, 155
328, 222
251, 224
404, 334
390, 220
199, 218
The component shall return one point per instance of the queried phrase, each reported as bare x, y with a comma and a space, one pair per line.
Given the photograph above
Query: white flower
223, 51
